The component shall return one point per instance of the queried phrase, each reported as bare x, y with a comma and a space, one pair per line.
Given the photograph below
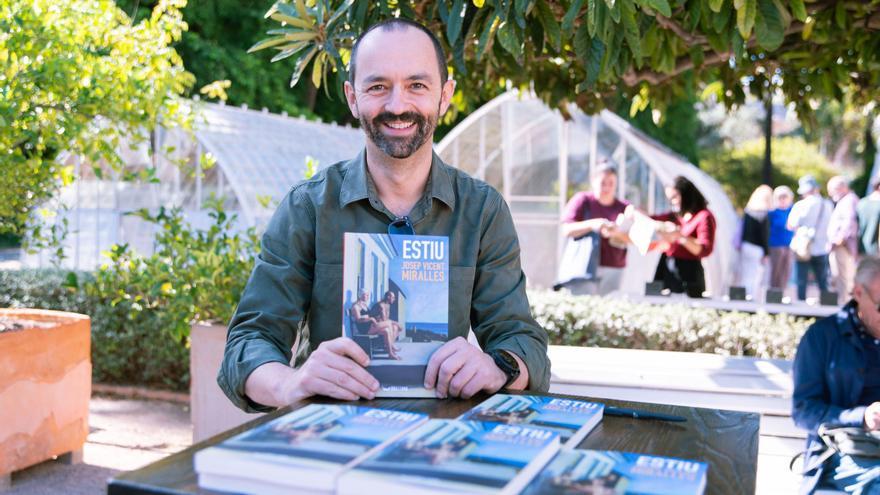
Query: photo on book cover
396, 305
572, 419
453, 456
606, 472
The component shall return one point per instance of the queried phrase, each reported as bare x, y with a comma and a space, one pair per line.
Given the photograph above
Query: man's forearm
269, 384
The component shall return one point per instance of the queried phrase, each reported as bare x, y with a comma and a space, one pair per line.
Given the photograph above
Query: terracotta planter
210, 410
45, 386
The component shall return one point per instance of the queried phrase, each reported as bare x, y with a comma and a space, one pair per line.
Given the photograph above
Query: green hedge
127, 348
606, 322
135, 347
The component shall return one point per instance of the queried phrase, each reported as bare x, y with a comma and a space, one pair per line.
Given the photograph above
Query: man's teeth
399, 125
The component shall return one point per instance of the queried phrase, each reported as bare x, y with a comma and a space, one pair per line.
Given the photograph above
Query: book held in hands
396, 305
575, 471
303, 451
453, 456
572, 419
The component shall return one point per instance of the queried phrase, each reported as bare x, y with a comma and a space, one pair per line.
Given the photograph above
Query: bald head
397, 24
837, 187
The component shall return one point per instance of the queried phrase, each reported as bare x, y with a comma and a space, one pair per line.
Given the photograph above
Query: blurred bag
580, 260
802, 242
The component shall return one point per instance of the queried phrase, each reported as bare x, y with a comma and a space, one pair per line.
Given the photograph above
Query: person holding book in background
836, 375
689, 238
781, 256
597, 211
843, 231
754, 247
398, 88
868, 212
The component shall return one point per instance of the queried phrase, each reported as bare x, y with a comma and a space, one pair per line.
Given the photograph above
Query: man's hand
335, 369
872, 416
459, 369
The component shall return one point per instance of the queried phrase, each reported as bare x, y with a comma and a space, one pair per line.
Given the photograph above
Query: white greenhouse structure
538, 159
529, 152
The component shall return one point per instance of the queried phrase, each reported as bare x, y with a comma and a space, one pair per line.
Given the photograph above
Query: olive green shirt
296, 284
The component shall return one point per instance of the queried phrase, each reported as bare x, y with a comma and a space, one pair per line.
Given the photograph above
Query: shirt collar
354, 184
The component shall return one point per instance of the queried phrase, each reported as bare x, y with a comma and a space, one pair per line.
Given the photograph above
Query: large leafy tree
592, 51
76, 77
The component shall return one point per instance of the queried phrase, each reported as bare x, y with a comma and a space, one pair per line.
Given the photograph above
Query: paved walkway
123, 435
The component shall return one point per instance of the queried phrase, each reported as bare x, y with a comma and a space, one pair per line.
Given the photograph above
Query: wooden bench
693, 379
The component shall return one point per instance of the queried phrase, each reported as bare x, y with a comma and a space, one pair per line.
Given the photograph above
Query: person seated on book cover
366, 321
837, 381
384, 325
398, 88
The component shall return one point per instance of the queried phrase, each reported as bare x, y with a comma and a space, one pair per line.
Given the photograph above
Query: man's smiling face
398, 95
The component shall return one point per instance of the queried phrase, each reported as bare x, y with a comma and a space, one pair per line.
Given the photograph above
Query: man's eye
376, 87
419, 86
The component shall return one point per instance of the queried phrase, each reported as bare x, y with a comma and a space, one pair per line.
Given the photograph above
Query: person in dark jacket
754, 250
837, 380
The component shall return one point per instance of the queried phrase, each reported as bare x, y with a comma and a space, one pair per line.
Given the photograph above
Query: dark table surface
726, 440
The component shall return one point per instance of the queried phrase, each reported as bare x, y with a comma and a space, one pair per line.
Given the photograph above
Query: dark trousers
818, 266
680, 275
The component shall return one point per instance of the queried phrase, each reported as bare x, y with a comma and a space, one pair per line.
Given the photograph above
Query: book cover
306, 448
618, 473
396, 305
571, 419
453, 456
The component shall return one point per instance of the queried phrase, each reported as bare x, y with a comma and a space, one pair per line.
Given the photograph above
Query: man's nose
397, 102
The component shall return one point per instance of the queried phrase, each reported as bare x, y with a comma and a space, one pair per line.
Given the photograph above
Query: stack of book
509, 444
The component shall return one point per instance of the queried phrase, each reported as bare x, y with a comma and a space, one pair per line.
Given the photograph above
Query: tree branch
667, 23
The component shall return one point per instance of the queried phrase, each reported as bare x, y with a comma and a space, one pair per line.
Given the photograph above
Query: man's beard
399, 147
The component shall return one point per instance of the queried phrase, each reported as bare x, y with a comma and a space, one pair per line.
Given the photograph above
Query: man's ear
351, 99
446, 95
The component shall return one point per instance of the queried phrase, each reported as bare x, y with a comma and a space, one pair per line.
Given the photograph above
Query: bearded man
398, 88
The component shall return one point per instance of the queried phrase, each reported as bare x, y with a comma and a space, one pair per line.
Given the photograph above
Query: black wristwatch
506, 363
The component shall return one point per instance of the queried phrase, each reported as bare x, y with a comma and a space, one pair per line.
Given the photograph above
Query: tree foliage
590, 51
76, 77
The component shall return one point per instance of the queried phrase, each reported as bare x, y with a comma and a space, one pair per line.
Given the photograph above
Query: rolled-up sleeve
275, 300
500, 314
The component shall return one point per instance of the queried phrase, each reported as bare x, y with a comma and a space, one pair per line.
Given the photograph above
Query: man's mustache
386, 117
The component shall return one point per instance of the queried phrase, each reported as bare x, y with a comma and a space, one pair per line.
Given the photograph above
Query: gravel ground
124, 434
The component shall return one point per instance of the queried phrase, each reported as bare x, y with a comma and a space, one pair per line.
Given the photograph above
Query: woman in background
781, 255
754, 248
690, 239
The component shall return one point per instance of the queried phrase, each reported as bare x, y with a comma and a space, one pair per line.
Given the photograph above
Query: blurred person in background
690, 240
843, 231
809, 220
868, 213
597, 211
754, 248
781, 256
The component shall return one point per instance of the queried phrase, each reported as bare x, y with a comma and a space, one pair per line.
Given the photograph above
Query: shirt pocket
461, 289
325, 315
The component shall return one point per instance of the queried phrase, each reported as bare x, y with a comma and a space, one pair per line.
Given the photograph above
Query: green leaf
614, 10
456, 17
572, 13
661, 6
715, 5
479, 3
697, 55
267, 43
592, 16
551, 27
715, 88
519, 10
510, 39
631, 29
301, 66
746, 10
769, 29
488, 31
590, 51
799, 10
840, 14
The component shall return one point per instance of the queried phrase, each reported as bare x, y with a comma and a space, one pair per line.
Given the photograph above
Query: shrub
606, 322
739, 170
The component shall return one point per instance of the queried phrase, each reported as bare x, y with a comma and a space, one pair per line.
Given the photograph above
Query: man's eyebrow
421, 76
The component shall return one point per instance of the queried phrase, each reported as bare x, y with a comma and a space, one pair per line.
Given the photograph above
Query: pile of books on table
509, 444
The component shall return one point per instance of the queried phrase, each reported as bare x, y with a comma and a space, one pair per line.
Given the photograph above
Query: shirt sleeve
500, 314
704, 233
573, 208
275, 300
810, 406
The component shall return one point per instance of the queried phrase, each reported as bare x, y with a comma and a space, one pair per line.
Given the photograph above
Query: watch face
510, 361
